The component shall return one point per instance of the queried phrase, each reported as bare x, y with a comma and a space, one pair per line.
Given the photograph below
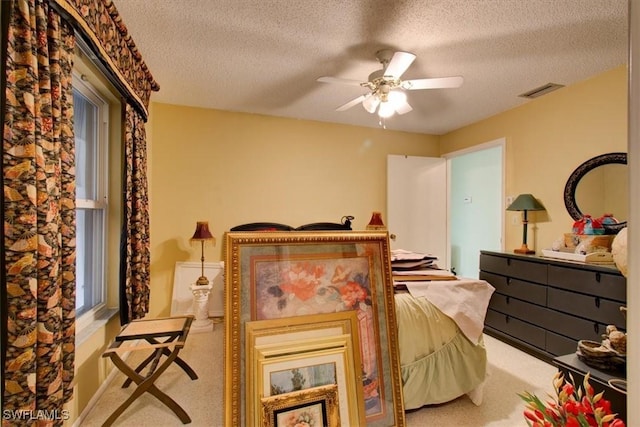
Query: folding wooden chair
166, 337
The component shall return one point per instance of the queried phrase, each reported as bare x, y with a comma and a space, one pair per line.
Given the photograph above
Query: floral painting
316, 407
309, 416
311, 284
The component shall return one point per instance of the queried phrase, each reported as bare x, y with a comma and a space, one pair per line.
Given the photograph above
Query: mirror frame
578, 174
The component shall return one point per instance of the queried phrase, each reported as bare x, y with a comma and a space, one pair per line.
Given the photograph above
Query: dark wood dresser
545, 306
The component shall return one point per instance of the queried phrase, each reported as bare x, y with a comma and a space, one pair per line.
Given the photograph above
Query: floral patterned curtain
135, 257
39, 213
38, 255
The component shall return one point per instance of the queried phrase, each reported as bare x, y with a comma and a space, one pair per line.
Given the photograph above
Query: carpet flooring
510, 371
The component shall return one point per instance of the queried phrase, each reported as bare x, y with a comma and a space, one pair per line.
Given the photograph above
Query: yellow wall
546, 140
233, 168
91, 368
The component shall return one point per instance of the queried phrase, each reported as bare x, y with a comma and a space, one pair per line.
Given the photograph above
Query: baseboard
98, 394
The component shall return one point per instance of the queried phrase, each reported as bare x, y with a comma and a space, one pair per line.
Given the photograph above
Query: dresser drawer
606, 285
558, 344
565, 324
573, 327
530, 271
516, 328
517, 288
589, 307
517, 308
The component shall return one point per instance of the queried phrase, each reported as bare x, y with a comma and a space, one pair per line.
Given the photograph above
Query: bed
442, 356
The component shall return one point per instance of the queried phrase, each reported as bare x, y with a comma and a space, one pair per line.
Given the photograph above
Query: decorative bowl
597, 355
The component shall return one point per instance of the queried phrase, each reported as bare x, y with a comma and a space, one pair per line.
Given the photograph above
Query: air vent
542, 90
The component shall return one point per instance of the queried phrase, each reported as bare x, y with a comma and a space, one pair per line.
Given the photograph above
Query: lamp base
202, 281
524, 250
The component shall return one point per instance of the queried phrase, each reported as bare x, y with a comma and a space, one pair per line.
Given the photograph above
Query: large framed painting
280, 275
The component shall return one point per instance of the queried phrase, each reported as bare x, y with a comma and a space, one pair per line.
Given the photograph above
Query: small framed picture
318, 406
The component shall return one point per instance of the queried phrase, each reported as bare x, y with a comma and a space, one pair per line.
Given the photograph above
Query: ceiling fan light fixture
386, 110
396, 98
371, 103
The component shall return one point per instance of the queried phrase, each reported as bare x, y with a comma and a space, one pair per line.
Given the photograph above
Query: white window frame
101, 170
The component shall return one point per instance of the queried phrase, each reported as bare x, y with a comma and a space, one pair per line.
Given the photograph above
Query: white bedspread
464, 300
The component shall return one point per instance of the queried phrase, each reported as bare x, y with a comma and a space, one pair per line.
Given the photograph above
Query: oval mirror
600, 186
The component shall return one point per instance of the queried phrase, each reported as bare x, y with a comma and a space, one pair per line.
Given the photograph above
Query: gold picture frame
315, 406
284, 368
300, 338
278, 275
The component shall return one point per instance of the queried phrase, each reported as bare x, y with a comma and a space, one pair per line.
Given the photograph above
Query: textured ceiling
264, 56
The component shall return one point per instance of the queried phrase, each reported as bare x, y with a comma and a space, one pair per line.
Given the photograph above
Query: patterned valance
100, 25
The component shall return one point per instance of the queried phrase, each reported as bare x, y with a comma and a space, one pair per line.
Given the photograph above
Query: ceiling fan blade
353, 102
339, 80
399, 64
434, 83
403, 108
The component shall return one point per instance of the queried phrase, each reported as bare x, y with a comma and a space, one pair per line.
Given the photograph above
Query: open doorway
476, 193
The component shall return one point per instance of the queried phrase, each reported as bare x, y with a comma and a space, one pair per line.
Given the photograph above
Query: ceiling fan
387, 89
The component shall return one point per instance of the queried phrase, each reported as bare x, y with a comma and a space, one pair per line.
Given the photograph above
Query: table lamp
202, 287
524, 203
202, 234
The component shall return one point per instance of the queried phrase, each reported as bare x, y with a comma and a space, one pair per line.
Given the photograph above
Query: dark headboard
262, 226
345, 224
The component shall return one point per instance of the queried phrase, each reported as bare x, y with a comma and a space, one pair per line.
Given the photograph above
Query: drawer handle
597, 301
598, 277
596, 329
508, 281
508, 261
508, 299
506, 318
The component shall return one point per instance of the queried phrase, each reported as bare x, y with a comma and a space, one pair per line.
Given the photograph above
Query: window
91, 115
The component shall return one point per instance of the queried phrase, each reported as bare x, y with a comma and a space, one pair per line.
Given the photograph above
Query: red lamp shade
202, 231
376, 222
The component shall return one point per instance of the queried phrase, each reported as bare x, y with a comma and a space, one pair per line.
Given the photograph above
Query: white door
417, 205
